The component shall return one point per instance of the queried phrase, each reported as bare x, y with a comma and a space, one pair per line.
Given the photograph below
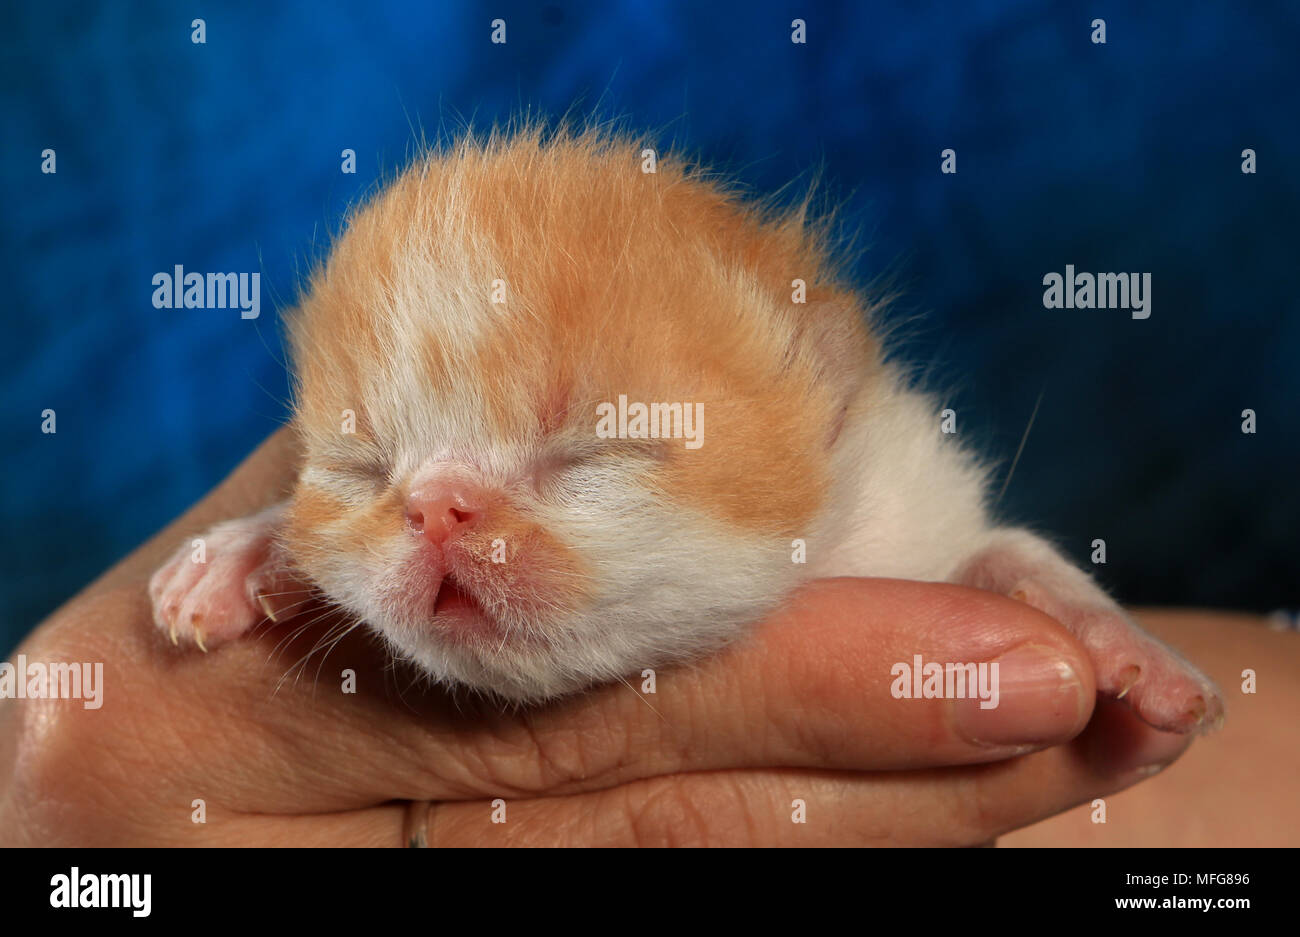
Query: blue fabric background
1122, 157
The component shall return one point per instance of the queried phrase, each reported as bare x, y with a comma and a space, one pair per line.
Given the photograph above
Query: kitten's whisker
276, 595
1021, 448
292, 636
641, 697
301, 664
335, 643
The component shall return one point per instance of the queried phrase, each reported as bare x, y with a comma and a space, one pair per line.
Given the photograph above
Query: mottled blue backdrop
1123, 156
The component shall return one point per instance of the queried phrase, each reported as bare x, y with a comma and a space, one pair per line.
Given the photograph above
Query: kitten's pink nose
443, 511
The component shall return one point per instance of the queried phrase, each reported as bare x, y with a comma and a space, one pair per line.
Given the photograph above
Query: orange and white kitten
473, 364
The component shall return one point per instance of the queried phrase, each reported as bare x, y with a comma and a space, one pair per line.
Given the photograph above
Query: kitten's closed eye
563, 465
554, 473
368, 471
373, 469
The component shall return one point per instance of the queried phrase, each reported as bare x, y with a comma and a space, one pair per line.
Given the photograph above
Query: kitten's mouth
461, 619
454, 601
459, 616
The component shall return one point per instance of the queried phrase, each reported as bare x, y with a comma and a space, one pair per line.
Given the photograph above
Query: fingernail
1039, 699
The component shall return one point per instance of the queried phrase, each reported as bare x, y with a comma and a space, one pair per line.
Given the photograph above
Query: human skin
716, 756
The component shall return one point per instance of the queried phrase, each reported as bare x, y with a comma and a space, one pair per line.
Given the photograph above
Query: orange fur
618, 282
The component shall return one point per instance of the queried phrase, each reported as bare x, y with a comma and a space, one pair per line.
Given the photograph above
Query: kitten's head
473, 364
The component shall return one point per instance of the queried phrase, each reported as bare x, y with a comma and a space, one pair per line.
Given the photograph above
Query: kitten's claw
1128, 678
266, 606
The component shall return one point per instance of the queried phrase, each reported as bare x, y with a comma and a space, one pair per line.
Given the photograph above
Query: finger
370, 827
957, 807
787, 807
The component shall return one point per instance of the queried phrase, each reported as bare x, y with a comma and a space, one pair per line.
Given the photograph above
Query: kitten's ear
831, 336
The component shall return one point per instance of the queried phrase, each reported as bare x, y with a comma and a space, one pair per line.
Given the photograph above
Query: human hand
720, 754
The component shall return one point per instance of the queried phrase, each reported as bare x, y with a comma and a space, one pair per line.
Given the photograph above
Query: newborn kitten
486, 321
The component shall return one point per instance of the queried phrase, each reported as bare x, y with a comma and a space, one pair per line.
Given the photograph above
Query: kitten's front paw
215, 590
